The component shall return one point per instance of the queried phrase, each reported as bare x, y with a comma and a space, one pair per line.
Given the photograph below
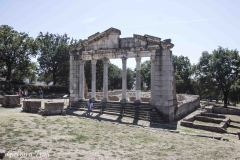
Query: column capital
105, 60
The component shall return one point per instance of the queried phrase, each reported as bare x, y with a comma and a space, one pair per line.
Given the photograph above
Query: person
20, 92
41, 93
26, 92
90, 106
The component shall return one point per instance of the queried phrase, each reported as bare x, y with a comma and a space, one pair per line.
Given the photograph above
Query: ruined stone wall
188, 105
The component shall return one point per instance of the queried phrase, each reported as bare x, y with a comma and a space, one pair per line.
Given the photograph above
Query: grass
68, 137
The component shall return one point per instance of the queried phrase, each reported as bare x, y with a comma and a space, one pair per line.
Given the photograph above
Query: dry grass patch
68, 137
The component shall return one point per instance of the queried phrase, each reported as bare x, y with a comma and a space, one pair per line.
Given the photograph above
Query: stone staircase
141, 111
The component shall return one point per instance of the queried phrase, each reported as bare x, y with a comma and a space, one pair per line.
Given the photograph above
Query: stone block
31, 106
53, 108
113, 98
145, 99
11, 101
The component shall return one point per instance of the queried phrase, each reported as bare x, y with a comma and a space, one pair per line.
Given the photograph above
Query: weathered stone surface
187, 104
31, 106
11, 101
53, 108
113, 98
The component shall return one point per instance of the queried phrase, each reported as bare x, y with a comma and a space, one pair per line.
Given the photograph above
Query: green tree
54, 58
203, 82
183, 72
114, 77
225, 70
16, 51
146, 73
130, 78
234, 94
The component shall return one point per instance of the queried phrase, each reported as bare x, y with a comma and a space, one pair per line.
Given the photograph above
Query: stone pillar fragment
81, 79
164, 90
105, 79
138, 79
124, 79
93, 93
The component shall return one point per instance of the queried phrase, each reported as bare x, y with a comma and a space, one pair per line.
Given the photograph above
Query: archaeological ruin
108, 45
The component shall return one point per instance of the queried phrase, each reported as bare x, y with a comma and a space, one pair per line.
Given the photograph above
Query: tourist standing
41, 93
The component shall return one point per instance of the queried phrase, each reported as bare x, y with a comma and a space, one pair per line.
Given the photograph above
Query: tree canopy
16, 51
54, 58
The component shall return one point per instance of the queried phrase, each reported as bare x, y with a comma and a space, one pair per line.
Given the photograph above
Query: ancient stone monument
108, 45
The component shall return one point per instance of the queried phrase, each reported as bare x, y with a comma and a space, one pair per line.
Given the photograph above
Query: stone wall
186, 105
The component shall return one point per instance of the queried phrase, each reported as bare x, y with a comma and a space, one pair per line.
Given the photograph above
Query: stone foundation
213, 122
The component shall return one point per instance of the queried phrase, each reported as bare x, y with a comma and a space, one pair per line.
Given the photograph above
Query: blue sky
193, 25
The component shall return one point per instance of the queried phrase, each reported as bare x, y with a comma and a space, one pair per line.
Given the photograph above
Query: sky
193, 25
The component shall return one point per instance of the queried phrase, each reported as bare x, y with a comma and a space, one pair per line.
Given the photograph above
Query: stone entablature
108, 45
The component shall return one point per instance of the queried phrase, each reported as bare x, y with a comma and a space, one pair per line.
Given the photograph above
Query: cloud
89, 20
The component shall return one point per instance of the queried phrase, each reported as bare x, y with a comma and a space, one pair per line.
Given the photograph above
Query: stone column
164, 90
105, 79
124, 79
152, 77
93, 93
138, 79
81, 79
73, 75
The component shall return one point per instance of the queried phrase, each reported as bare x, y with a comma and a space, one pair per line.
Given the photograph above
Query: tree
16, 51
114, 77
225, 70
234, 94
54, 57
146, 73
130, 78
183, 72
